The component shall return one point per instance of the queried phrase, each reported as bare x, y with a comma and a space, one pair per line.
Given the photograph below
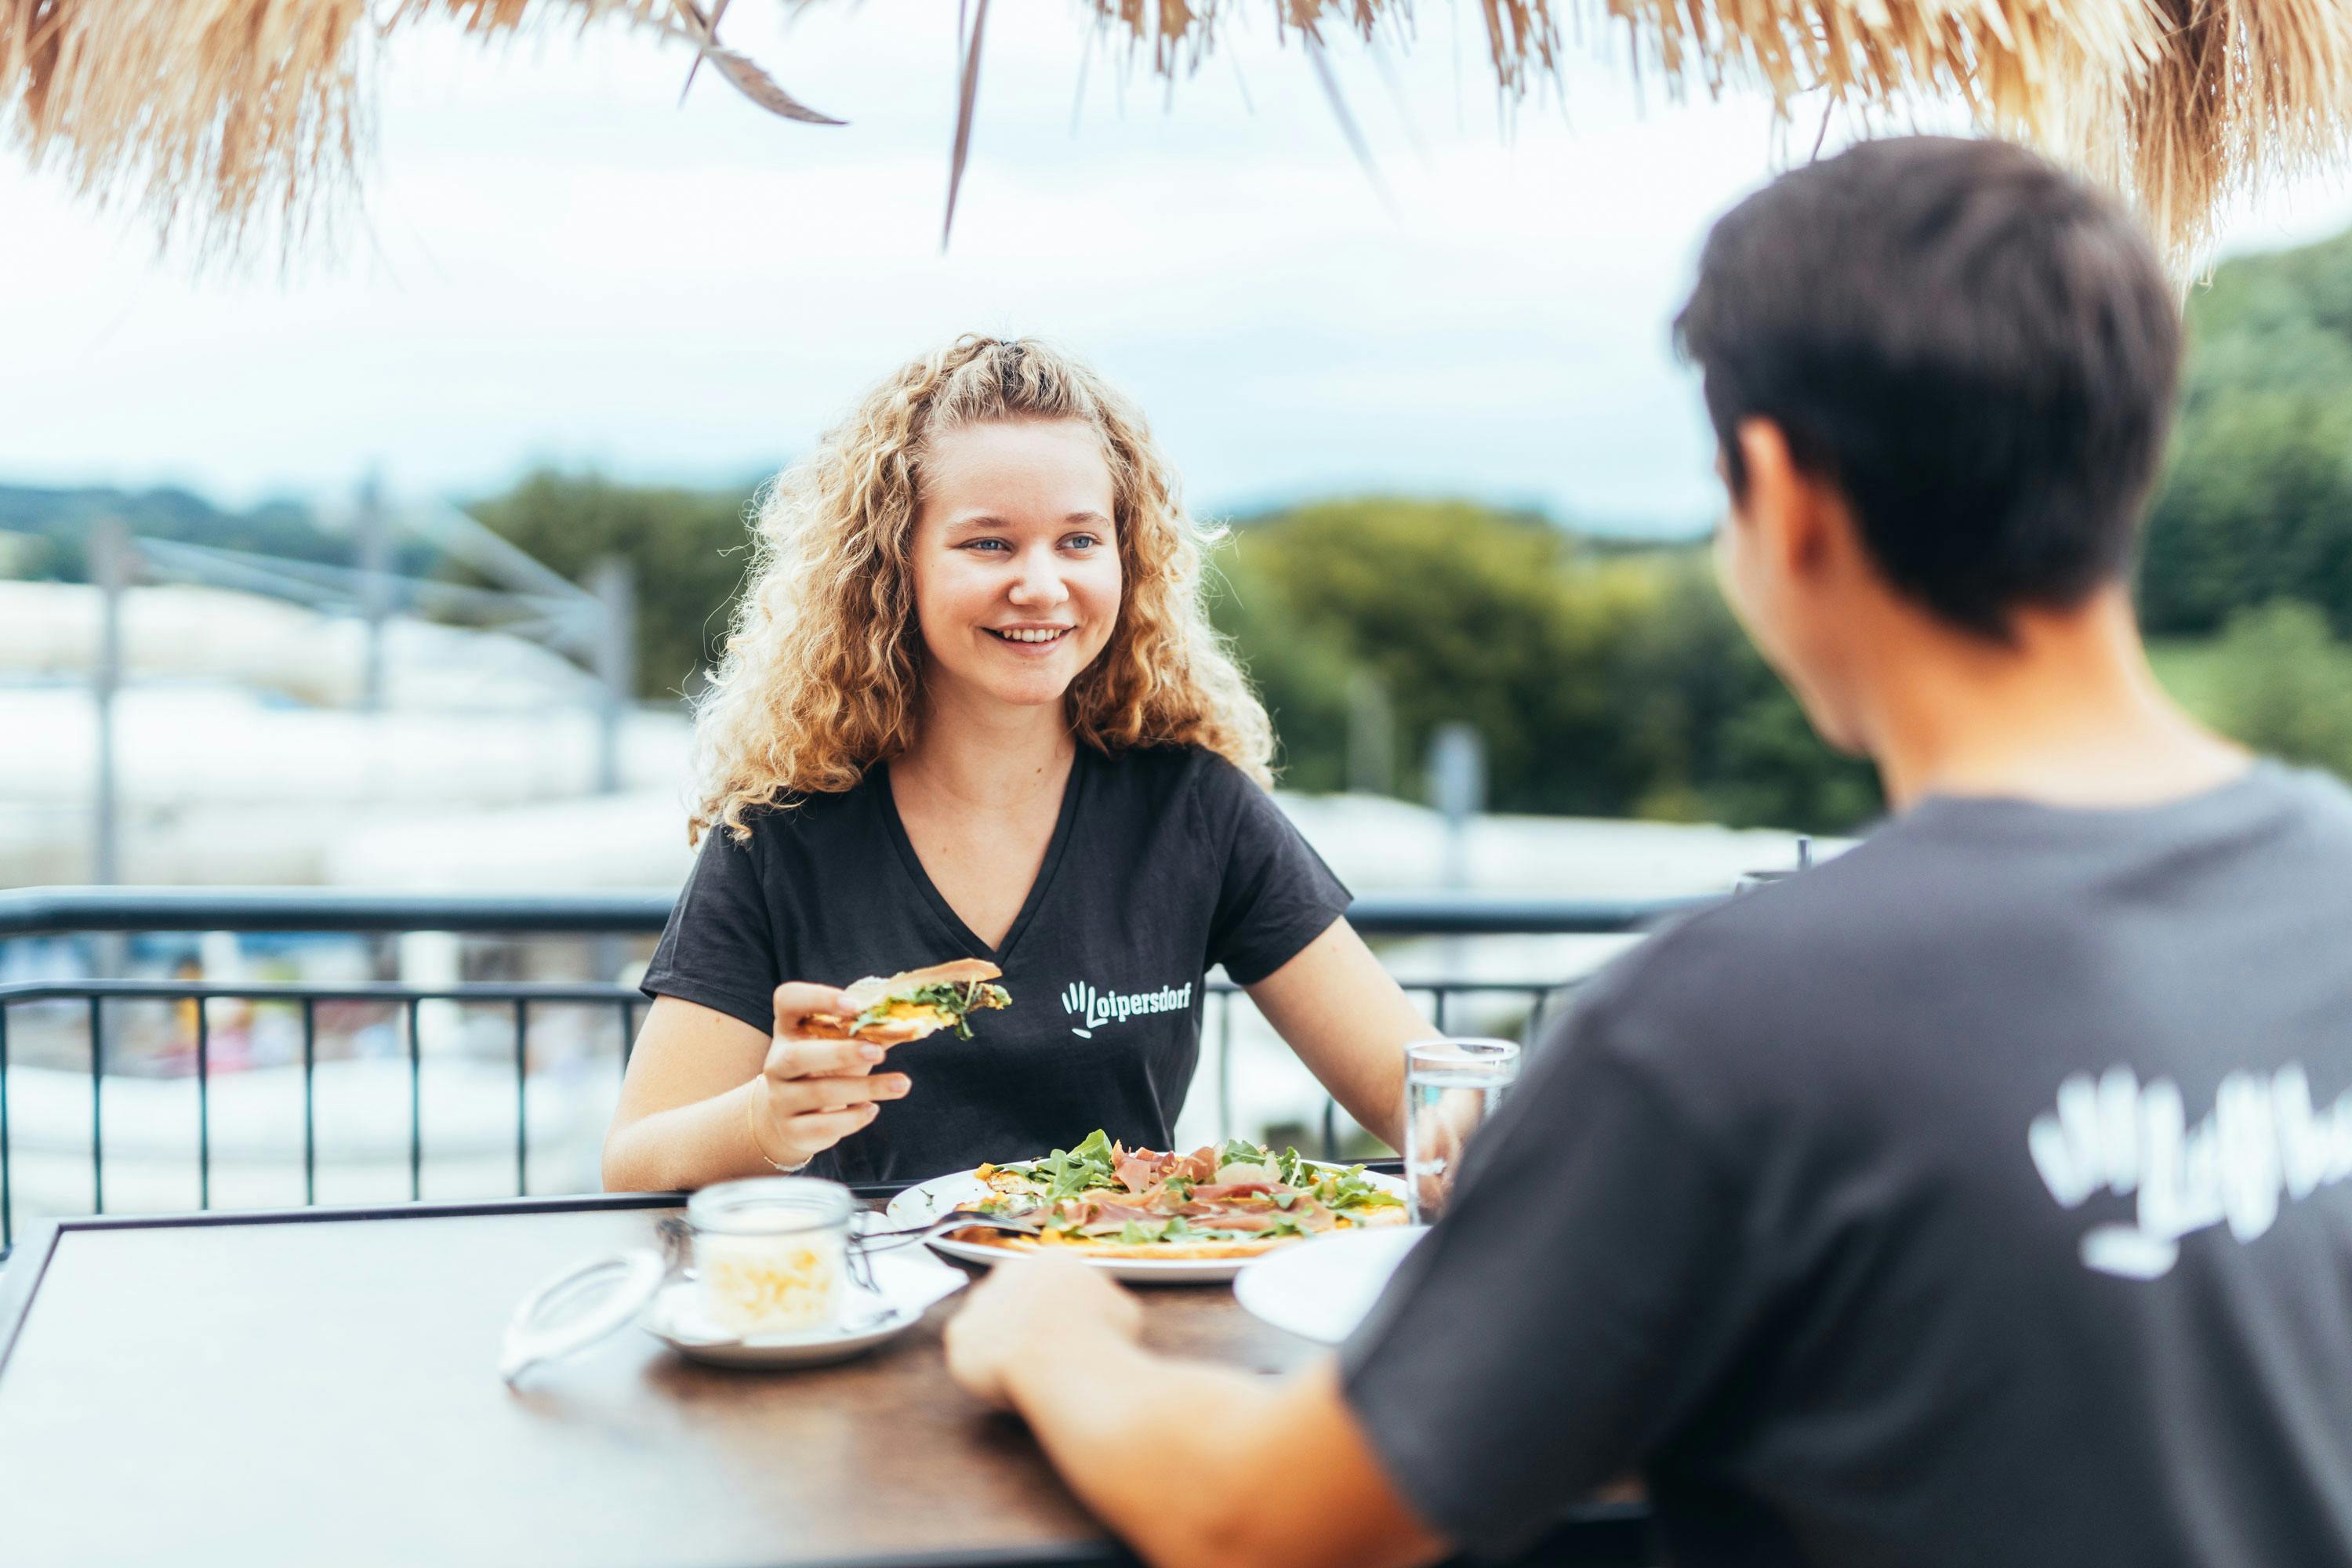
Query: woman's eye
1082, 541
992, 546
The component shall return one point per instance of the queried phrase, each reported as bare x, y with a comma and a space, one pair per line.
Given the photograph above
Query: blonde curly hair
824, 668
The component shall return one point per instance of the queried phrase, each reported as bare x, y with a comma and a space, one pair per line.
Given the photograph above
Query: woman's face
1015, 560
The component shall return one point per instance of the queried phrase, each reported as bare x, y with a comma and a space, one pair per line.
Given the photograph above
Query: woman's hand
1007, 1317
1439, 1132
811, 1093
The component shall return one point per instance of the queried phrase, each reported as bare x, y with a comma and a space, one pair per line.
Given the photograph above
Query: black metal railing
37, 911
55, 911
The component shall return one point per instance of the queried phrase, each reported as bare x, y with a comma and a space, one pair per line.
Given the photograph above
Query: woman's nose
1039, 582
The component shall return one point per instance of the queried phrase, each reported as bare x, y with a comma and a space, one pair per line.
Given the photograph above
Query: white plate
907, 1282
1322, 1289
927, 1201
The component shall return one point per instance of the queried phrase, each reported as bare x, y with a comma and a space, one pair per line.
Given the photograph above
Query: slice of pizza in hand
911, 1005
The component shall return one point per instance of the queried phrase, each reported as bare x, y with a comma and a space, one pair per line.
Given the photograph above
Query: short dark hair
1978, 351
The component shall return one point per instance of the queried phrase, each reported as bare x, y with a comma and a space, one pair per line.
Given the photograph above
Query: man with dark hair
1983, 1196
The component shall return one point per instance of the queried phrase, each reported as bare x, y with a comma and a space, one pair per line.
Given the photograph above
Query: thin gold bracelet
751, 1122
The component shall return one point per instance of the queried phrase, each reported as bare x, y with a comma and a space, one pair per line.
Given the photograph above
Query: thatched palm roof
222, 117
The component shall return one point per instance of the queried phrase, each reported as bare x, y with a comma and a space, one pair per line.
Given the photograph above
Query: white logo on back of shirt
2262, 1139
1095, 1008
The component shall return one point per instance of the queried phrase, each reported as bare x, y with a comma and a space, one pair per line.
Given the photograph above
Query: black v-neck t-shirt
1165, 862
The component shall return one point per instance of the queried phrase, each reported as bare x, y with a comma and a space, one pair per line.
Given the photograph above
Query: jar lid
770, 1206
585, 1303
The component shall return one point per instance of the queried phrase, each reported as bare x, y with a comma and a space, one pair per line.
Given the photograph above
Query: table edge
20, 1278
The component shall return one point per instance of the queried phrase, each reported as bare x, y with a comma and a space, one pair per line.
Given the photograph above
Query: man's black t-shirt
1983, 1196
1165, 861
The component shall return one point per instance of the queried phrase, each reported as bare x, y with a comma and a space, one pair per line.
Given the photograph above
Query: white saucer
908, 1282
1322, 1289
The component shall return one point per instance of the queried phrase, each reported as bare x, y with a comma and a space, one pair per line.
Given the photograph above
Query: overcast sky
560, 264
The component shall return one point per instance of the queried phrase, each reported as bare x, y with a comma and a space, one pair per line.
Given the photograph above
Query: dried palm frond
221, 117
2179, 104
218, 115
2005, 59
2243, 91
222, 106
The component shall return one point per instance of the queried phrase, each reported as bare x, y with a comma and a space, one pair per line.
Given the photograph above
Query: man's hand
1031, 1306
1056, 1340
811, 1093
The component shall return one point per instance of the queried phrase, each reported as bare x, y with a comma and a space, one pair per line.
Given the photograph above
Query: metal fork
863, 1244
954, 1219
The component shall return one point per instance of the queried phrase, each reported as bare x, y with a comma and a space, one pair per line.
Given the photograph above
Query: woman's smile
1031, 641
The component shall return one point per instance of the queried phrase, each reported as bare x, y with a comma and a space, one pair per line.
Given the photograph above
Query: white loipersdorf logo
2263, 1144
1095, 1008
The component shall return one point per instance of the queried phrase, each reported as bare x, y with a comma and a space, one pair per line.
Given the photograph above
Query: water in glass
1451, 1086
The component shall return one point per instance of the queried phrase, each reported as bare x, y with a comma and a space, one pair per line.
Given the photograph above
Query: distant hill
1602, 533
2288, 296
48, 529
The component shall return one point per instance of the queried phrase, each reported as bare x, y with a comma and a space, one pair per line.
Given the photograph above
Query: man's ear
1783, 502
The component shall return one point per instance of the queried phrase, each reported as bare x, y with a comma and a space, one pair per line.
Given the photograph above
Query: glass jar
771, 1254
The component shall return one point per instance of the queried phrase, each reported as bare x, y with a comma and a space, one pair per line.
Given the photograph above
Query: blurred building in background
243, 753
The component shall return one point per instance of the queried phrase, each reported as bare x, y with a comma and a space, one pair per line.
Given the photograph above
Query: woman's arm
1349, 1023
707, 1097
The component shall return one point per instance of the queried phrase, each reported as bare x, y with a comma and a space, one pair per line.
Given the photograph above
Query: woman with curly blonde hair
972, 707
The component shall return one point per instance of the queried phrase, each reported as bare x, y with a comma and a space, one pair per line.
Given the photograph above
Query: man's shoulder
2316, 803
1750, 941
1773, 981
1940, 902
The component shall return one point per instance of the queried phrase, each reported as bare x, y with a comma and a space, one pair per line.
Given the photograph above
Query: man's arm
1189, 1464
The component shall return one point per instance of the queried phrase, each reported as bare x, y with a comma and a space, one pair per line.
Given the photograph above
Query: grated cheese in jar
770, 1284
771, 1254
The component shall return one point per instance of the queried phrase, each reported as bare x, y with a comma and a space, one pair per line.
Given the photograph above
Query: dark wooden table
319, 1387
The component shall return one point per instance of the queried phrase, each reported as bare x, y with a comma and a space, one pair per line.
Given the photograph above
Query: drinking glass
1451, 1086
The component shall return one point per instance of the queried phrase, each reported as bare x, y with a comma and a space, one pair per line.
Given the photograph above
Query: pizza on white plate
1237, 1199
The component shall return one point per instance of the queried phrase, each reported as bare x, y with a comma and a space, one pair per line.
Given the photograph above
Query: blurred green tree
1605, 683
50, 528
2256, 503
2283, 685
689, 550
2258, 506
1463, 613
1717, 736
1303, 679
